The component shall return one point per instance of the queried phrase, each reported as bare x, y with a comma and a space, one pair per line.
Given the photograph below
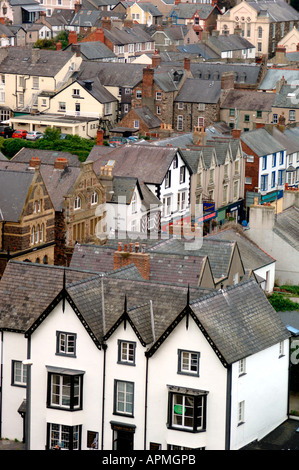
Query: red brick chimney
34, 162
2, 20
100, 137
78, 6
124, 256
227, 81
187, 64
58, 46
73, 37
106, 23
99, 35
156, 59
147, 82
60, 163
236, 133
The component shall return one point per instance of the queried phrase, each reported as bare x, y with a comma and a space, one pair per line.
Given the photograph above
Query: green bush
292, 289
281, 303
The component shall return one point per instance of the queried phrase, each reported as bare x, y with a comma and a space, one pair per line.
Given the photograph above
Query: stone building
27, 218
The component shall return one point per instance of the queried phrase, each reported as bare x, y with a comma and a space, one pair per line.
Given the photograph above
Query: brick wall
129, 254
251, 169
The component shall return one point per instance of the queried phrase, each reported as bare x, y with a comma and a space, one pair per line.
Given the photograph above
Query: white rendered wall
14, 348
88, 358
264, 389
213, 377
263, 273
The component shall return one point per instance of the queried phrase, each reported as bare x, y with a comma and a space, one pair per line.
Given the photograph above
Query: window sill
242, 374
182, 429
241, 423
115, 413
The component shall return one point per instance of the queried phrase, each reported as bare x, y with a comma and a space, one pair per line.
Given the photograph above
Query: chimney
280, 84
297, 47
77, 6
35, 55
106, 23
3, 53
100, 137
147, 82
99, 35
227, 81
156, 59
34, 162
128, 23
2, 20
73, 37
58, 46
177, 2
187, 64
238, 30
124, 257
88, 84
60, 163
199, 136
236, 133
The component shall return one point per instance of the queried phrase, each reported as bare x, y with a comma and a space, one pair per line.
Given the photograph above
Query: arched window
77, 203
45, 260
134, 203
94, 198
37, 234
32, 236
41, 233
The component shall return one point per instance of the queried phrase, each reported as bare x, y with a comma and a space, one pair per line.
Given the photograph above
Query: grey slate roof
14, 188
248, 100
261, 142
19, 61
199, 50
231, 42
252, 256
150, 119
199, 91
288, 139
95, 50
187, 10
287, 226
46, 156
85, 18
98, 91
243, 72
273, 75
276, 10
240, 320
288, 97
150, 7
112, 73
123, 36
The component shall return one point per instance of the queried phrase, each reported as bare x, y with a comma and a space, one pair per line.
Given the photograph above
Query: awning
31, 8
64, 371
187, 390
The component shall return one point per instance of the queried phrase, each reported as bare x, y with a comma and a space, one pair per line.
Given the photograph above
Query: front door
123, 440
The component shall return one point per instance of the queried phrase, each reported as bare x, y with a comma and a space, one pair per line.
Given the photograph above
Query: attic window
110, 163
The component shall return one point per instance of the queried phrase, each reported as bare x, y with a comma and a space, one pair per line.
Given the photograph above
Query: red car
19, 134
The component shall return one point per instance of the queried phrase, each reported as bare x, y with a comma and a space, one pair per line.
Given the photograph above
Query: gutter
228, 408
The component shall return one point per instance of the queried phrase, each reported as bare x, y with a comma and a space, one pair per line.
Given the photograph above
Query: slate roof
247, 72
96, 50
219, 252
261, 142
60, 17
92, 257
240, 321
150, 119
287, 226
288, 97
123, 36
19, 61
187, 10
272, 76
6, 31
112, 73
199, 91
150, 8
231, 42
98, 91
253, 257
275, 10
46, 156
14, 189
85, 18
248, 100
199, 50
288, 139
138, 161
26, 289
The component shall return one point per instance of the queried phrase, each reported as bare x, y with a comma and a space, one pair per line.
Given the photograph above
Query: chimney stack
156, 59
34, 162
199, 136
100, 137
187, 64
60, 163
236, 133
99, 35
106, 23
124, 257
147, 82
58, 46
78, 6
35, 55
73, 37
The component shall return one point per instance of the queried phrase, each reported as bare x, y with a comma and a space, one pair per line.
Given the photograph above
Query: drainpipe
145, 405
1, 383
103, 396
228, 408
28, 362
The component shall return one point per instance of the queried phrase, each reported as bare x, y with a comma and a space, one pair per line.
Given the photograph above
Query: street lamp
28, 363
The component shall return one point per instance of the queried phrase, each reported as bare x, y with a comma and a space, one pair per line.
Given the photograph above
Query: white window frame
124, 398
77, 203
19, 373
241, 412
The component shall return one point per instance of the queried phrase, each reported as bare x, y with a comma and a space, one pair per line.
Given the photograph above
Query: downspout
28, 397
104, 346
228, 408
1, 383
145, 403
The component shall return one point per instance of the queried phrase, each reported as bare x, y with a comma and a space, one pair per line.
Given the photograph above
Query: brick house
202, 16
141, 119
27, 218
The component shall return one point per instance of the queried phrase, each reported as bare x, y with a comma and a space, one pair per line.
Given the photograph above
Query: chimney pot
60, 163
119, 246
136, 247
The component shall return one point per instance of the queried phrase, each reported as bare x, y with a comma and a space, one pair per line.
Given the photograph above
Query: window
65, 437
134, 203
180, 123
65, 390
211, 180
123, 397
175, 162
226, 170
292, 115
19, 374
264, 182
94, 198
35, 82
232, 112
241, 407
127, 91
158, 110
92, 440
126, 352
250, 158
188, 362
248, 180
274, 159
76, 92
131, 47
166, 206
242, 367
62, 106
138, 94
180, 105
182, 174
259, 47
201, 107
41, 233
273, 179
260, 32
275, 118
136, 124
259, 114
246, 118
159, 95
108, 108
120, 49
77, 203
187, 411
225, 193
264, 162
66, 343
281, 349
181, 201
168, 179
281, 158
281, 177
201, 121
237, 167
236, 190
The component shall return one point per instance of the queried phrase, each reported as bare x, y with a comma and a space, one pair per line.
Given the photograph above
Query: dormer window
77, 203
94, 198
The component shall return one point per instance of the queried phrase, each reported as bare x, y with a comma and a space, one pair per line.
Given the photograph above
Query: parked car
19, 134
115, 141
34, 135
6, 132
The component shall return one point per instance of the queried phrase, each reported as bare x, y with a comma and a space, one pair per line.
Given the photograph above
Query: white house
93, 353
